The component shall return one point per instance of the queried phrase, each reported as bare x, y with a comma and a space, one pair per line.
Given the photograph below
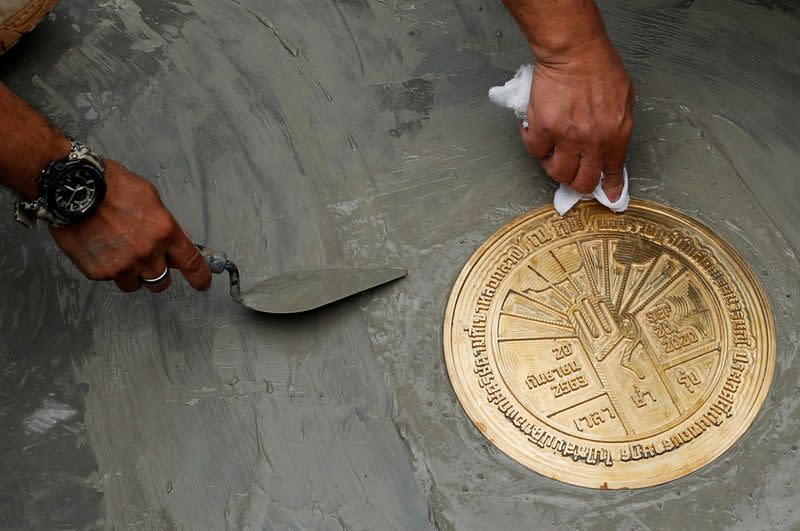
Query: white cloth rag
515, 95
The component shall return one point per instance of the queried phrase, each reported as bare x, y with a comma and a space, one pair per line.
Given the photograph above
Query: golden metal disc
609, 350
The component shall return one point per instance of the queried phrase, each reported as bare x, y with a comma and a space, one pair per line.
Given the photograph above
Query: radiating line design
564, 269
659, 291
557, 289
621, 292
539, 303
641, 283
536, 319
535, 338
587, 269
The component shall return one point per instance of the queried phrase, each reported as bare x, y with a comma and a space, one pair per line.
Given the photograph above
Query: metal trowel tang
300, 291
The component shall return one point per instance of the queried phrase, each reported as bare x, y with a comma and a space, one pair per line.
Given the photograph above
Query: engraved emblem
609, 350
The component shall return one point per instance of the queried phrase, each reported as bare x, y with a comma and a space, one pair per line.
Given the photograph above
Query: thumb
614, 165
613, 178
613, 183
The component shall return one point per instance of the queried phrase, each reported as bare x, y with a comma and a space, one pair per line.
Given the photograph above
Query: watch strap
27, 212
79, 150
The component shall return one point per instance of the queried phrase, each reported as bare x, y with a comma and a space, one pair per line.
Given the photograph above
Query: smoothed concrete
309, 134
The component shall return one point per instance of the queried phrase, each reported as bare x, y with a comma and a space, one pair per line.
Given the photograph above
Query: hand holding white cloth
515, 95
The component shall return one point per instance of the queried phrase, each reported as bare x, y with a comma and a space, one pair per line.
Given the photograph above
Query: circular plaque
609, 350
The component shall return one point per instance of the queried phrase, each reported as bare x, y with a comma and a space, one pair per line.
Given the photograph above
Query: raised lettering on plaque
609, 350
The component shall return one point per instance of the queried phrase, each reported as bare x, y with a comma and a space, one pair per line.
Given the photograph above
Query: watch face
76, 191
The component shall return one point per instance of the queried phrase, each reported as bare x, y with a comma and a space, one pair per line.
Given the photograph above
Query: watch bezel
59, 170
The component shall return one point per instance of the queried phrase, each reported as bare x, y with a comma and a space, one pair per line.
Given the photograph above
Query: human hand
580, 116
132, 236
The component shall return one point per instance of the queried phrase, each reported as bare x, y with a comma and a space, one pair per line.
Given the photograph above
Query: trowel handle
218, 263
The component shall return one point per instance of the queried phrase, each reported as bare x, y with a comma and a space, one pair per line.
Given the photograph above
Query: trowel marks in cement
290, 139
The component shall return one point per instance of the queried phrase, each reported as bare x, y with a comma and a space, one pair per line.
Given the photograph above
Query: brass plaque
609, 350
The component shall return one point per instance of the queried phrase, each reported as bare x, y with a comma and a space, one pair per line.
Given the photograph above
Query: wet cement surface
310, 134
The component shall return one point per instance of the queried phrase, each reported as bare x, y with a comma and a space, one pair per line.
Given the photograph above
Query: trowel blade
302, 291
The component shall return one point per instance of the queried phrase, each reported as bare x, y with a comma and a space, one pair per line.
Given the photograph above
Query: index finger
184, 256
539, 144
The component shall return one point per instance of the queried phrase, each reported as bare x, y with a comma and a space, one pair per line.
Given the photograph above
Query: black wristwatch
70, 190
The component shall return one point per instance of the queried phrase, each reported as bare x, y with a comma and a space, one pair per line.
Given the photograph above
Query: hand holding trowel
299, 291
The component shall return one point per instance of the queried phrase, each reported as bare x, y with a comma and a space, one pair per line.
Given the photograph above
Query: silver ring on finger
160, 279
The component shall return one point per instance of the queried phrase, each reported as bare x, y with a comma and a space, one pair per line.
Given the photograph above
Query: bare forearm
557, 27
28, 142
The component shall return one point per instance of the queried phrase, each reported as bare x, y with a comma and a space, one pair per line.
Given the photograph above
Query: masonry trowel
300, 291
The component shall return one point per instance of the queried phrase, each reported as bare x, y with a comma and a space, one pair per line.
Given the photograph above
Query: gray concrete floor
301, 134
